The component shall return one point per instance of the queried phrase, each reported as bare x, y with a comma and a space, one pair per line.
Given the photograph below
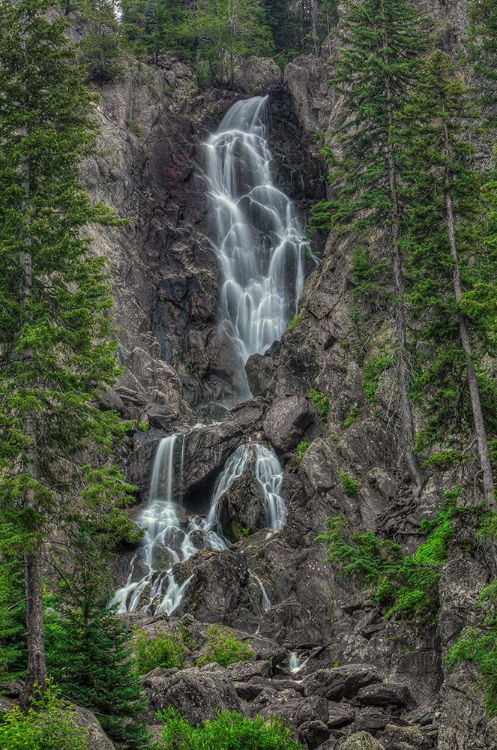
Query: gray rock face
97, 739
340, 682
286, 422
385, 695
196, 693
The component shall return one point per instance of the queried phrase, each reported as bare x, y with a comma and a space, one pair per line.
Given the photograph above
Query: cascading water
151, 584
259, 240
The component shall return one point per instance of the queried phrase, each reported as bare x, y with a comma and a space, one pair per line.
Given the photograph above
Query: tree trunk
474, 391
37, 670
415, 471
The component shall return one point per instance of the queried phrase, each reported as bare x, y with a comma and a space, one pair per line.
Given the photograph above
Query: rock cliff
368, 683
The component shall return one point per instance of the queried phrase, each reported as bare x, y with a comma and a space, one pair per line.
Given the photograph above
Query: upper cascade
258, 237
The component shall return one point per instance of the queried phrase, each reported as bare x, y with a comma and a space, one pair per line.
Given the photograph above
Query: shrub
349, 485
224, 647
322, 402
372, 374
50, 724
229, 731
163, 651
406, 585
351, 418
302, 450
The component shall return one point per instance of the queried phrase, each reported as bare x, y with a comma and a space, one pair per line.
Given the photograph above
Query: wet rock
260, 369
241, 509
361, 741
340, 682
386, 694
313, 733
286, 421
371, 719
219, 590
206, 452
196, 693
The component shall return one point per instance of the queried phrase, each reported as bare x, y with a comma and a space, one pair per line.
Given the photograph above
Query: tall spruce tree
56, 356
453, 262
381, 44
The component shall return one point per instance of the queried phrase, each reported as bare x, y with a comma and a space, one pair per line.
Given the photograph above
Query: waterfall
151, 584
296, 663
259, 240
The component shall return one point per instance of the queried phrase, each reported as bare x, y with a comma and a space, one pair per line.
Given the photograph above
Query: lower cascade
173, 538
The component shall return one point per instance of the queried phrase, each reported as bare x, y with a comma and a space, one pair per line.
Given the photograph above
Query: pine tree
56, 356
227, 30
483, 48
159, 27
88, 655
101, 48
453, 261
381, 44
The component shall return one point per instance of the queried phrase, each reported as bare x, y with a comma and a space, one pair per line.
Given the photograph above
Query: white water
151, 584
259, 239
296, 664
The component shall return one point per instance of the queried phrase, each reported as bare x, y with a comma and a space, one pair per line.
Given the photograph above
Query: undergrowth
224, 647
164, 650
228, 731
406, 586
322, 402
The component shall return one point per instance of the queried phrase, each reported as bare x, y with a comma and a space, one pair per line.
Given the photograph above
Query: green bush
407, 586
322, 402
302, 450
351, 418
295, 321
229, 731
224, 647
349, 485
372, 374
163, 651
478, 644
50, 724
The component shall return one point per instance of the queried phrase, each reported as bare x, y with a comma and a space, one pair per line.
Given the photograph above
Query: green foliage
349, 485
372, 373
101, 48
302, 450
89, 655
295, 321
440, 161
158, 27
225, 31
483, 49
406, 586
12, 620
224, 647
229, 731
162, 651
322, 402
351, 417
478, 644
368, 275
50, 724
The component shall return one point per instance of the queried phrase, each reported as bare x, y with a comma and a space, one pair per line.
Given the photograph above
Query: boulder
340, 682
286, 422
196, 693
393, 736
386, 694
246, 670
241, 508
313, 733
361, 741
339, 715
97, 739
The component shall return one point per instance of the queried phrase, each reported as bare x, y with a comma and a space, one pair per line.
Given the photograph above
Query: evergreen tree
227, 30
380, 54
101, 48
157, 27
88, 655
483, 48
453, 261
56, 357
